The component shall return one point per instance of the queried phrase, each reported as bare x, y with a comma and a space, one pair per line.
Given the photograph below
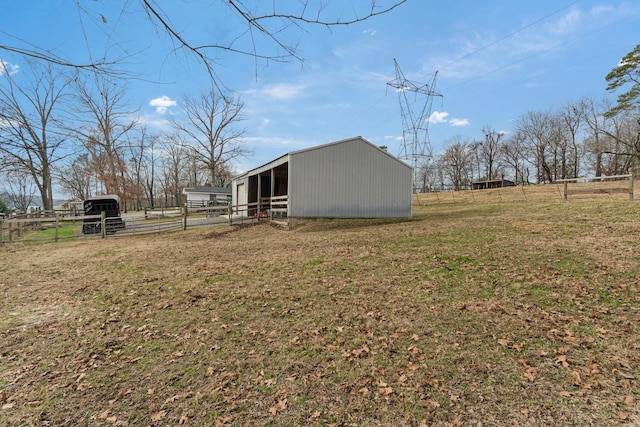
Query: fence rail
608, 185
33, 227
580, 188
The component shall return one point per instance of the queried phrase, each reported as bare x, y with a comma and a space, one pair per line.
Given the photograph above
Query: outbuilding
351, 178
207, 195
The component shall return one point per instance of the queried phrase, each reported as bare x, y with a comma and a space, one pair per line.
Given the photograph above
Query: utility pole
415, 113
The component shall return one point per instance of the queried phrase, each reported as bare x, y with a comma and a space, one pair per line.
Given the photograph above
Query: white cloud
153, 122
162, 104
568, 23
7, 67
459, 122
280, 91
438, 117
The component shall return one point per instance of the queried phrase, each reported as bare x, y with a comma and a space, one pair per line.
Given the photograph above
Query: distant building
493, 183
351, 178
207, 195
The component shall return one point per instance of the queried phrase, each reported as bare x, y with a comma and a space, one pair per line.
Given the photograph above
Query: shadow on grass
330, 224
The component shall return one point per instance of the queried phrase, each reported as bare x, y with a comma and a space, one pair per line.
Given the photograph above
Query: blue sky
495, 59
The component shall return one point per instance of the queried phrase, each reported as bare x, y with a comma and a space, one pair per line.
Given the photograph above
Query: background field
502, 311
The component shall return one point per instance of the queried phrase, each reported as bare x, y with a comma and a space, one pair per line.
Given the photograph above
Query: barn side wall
352, 179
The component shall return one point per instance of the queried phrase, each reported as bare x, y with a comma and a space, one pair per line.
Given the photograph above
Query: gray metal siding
350, 179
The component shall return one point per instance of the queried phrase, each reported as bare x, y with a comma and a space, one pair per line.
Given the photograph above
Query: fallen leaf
157, 416
565, 394
220, 421
183, 419
562, 361
623, 415
629, 400
531, 373
280, 406
503, 342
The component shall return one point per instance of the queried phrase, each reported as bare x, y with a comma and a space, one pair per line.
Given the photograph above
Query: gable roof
284, 158
208, 190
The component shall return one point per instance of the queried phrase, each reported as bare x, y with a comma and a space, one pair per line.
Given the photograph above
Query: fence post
1, 231
103, 224
566, 187
631, 187
230, 212
57, 227
184, 217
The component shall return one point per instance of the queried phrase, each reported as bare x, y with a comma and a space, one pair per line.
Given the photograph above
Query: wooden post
184, 217
631, 187
103, 224
229, 213
566, 187
1, 231
57, 227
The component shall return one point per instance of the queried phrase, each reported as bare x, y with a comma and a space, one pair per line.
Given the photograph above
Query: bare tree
626, 134
19, 189
570, 119
513, 153
211, 127
490, 151
538, 135
78, 178
140, 166
175, 170
32, 139
455, 162
147, 171
597, 143
265, 31
102, 128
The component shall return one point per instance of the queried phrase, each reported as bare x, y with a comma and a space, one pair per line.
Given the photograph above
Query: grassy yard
499, 313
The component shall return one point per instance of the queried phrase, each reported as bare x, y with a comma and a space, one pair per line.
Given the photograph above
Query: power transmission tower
415, 114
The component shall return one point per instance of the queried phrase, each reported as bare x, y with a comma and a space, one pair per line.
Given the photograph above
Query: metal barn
351, 178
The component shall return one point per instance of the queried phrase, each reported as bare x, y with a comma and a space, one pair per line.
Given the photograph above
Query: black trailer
110, 205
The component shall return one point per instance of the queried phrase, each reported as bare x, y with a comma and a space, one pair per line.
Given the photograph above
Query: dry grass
520, 313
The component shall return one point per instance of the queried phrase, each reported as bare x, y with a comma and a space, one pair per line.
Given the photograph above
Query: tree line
79, 132
576, 140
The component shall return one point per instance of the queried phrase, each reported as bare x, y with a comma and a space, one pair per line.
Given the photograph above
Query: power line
510, 34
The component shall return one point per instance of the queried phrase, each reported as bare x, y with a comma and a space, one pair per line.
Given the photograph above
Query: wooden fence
622, 184
24, 228
615, 188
